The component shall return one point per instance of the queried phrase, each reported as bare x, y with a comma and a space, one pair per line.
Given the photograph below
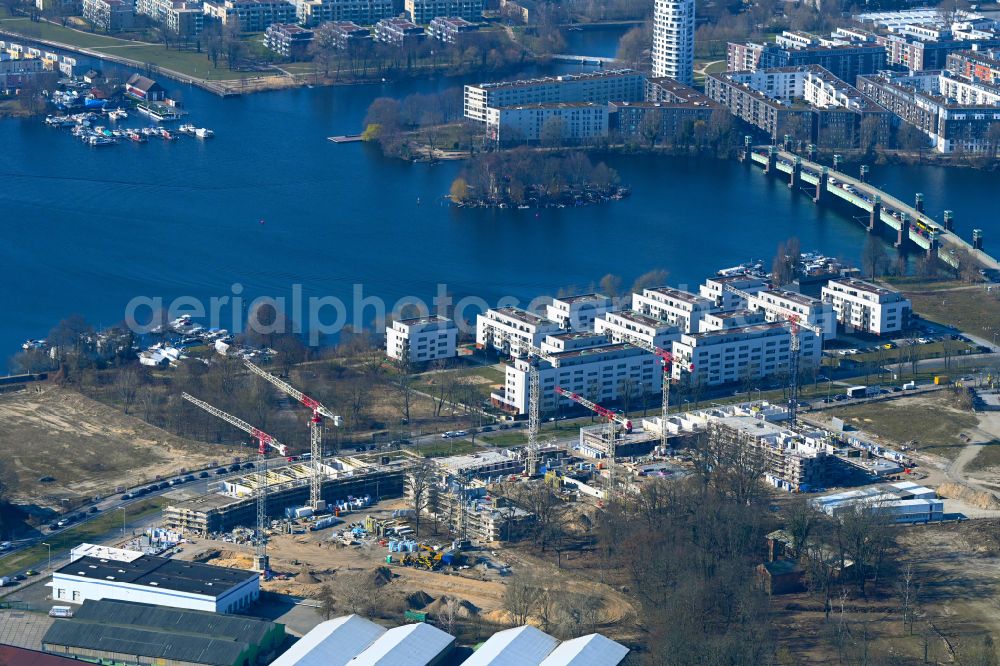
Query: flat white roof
104, 553
332, 643
590, 650
520, 646
410, 645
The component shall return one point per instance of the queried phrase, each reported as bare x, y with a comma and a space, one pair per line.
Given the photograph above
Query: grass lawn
91, 531
446, 447
56, 33
989, 457
930, 421
967, 307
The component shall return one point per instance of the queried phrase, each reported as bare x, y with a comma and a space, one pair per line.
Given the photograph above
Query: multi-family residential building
449, 29
576, 121
288, 40
979, 66
782, 305
793, 461
600, 87
720, 289
14, 73
182, 17
843, 58
956, 114
422, 11
250, 15
679, 308
109, 15
742, 353
346, 33
806, 102
629, 326
588, 365
421, 339
398, 31
577, 313
60, 7
866, 307
511, 330
363, 12
722, 320
674, 106
673, 39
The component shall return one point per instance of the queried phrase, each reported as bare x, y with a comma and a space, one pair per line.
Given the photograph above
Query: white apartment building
599, 87
680, 308
578, 121
673, 40
866, 307
577, 313
594, 369
628, 325
509, 330
362, 12
422, 11
722, 320
781, 305
421, 339
736, 354
715, 289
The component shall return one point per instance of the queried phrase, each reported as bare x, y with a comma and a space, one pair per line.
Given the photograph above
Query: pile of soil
418, 600
306, 577
466, 609
980, 500
382, 576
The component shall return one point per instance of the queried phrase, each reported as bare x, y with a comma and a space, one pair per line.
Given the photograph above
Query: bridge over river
909, 222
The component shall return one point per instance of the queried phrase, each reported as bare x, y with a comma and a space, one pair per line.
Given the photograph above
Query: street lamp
50, 555
123, 520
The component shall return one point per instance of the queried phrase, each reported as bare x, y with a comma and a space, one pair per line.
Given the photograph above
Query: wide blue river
270, 204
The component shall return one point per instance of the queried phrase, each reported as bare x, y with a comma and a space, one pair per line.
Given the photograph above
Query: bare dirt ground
87, 448
304, 562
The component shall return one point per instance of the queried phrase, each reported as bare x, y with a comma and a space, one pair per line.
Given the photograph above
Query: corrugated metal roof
590, 650
520, 646
162, 632
143, 642
410, 645
332, 643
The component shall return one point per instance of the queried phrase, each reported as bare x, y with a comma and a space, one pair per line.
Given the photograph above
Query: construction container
940, 379
323, 523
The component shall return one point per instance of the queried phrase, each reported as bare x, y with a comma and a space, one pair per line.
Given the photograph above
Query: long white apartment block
421, 339
628, 325
867, 307
680, 308
590, 366
737, 354
600, 87
781, 304
577, 313
510, 330
715, 289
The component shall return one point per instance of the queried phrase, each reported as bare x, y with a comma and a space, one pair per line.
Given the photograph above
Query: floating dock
345, 138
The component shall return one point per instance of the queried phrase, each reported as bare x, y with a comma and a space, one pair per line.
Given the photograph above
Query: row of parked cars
162, 485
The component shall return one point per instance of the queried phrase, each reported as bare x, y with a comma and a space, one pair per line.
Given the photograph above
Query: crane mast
534, 354
612, 417
667, 360
264, 441
319, 412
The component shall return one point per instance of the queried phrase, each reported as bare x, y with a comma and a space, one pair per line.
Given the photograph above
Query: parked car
204, 475
93, 509
248, 465
189, 477
220, 471
235, 467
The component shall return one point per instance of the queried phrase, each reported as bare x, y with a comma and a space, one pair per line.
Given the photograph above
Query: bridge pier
977, 239
793, 177
864, 173
821, 185
919, 202
949, 220
811, 151
876, 214
836, 162
745, 155
904, 230
772, 159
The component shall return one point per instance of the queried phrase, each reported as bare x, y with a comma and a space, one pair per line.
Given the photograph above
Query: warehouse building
332, 643
529, 646
866, 307
904, 502
156, 580
121, 632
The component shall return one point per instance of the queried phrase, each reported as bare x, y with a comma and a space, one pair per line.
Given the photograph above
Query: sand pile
980, 500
